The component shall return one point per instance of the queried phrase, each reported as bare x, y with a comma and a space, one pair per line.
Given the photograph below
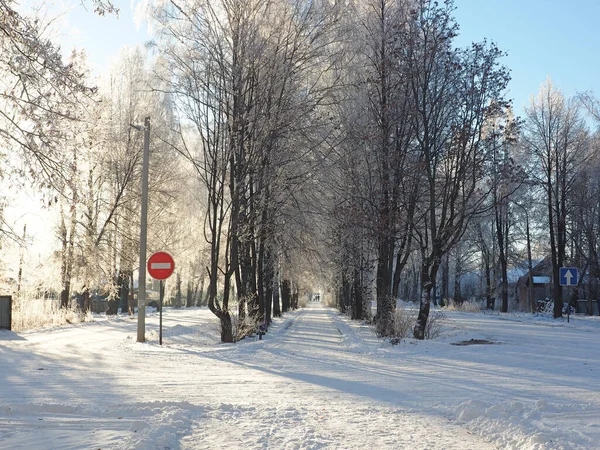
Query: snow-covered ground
316, 380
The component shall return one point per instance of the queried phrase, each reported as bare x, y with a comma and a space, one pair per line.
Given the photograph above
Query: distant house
543, 290
542, 286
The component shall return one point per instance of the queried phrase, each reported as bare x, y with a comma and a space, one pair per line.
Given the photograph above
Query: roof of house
541, 280
542, 270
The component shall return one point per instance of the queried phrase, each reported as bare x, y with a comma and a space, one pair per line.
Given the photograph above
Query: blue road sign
568, 276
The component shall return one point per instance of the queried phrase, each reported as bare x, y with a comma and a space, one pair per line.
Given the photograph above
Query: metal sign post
160, 306
568, 276
161, 267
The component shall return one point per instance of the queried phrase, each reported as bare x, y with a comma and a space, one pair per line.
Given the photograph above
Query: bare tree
556, 134
42, 105
456, 93
505, 178
388, 134
38, 92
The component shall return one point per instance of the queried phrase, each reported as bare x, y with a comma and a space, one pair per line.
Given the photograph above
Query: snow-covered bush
328, 300
302, 301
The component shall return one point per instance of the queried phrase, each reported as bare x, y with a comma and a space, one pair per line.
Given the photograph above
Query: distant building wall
5, 312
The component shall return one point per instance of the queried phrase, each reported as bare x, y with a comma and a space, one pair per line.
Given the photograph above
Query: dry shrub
404, 321
35, 313
244, 328
471, 306
433, 329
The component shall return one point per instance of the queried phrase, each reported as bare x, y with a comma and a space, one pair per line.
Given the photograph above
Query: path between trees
313, 382
318, 388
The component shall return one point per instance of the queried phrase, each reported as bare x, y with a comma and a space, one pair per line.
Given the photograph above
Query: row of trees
418, 151
435, 167
218, 207
74, 143
295, 144
249, 82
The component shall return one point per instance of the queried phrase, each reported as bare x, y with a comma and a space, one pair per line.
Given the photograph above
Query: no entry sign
161, 266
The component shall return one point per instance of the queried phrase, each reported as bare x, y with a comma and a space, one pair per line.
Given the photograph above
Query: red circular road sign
161, 266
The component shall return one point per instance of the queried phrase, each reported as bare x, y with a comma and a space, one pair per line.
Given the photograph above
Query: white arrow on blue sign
568, 276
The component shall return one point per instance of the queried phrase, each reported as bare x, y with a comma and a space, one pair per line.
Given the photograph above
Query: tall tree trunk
504, 284
358, 306
268, 285
286, 296
445, 282
489, 288
276, 288
295, 293
226, 327
189, 294
531, 300
428, 274
67, 239
260, 285
385, 302
557, 288
276, 300
130, 305
126, 276
200, 299
178, 296
346, 294
458, 298
501, 210
219, 310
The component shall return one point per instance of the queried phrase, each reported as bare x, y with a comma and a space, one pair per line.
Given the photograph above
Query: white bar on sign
160, 265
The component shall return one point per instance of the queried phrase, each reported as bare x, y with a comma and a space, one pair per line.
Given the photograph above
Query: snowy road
315, 381
304, 389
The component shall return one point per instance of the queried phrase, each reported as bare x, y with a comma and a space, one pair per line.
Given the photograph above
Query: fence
5, 312
582, 306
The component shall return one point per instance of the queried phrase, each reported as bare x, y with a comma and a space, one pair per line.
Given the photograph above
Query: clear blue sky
75, 24
104, 36
555, 38
543, 38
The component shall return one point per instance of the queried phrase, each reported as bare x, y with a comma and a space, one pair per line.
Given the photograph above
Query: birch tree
505, 178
